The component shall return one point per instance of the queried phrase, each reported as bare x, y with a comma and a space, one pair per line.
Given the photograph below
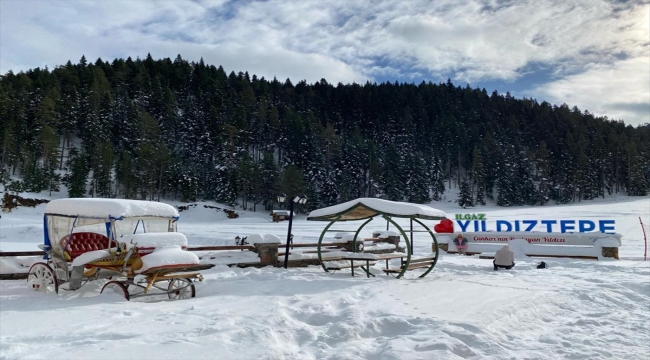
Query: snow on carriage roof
365, 208
104, 208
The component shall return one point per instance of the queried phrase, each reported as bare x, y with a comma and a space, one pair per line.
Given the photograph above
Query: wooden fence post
268, 253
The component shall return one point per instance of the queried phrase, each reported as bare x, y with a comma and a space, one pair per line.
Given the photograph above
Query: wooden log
610, 252
339, 267
194, 248
18, 276
419, 260
419, 266
341, 244
21, 253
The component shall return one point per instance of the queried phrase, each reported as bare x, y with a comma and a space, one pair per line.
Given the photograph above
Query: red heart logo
445, 226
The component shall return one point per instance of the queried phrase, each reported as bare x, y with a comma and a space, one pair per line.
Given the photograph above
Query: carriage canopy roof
365, 208
109, 208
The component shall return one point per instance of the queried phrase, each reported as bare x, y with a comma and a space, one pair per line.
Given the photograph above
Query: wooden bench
348, 266
418, 263
82, 242
363, 263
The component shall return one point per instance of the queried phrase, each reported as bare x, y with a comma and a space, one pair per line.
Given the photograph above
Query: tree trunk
472, 183
449, 164
459, 167
4, 152
62, 149
160, 182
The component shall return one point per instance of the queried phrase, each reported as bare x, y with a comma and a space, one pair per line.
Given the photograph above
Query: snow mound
348, 237
385, 234
263, 239
154, 240
168, 257
90, 256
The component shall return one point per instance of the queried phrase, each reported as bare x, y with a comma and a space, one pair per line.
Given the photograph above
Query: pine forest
174, 129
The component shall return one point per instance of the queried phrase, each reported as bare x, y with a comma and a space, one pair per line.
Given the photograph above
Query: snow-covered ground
576, 309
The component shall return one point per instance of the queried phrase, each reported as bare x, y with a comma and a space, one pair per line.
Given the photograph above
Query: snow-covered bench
345, 264
415, 263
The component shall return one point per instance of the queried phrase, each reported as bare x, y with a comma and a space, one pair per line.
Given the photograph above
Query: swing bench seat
419, 263
335, 267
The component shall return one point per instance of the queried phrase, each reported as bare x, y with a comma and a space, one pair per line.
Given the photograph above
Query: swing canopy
366, 208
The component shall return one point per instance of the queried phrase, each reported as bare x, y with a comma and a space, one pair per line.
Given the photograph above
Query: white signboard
539, 237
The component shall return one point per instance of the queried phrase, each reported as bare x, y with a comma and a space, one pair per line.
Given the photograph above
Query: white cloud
619, 91
339, 40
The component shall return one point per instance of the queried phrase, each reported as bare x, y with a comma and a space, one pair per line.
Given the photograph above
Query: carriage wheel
41, 277
180, 288
116, 287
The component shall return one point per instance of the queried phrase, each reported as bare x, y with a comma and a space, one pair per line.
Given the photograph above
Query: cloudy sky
594, 54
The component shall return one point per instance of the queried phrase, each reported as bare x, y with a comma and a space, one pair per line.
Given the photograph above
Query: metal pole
286, 252
645, 241
411, 236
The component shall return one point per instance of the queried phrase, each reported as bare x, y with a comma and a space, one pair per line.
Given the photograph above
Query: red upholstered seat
83, 242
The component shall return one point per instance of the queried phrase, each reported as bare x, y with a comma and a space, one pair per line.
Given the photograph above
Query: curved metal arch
435, 246
320, 241
354, 239
408, 246
406, 240
322, 235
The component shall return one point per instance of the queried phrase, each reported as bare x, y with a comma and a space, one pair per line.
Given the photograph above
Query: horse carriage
133, 244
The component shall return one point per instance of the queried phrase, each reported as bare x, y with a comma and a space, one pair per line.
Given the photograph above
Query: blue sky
593, 54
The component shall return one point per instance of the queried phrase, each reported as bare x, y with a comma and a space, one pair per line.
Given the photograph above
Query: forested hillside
149, 129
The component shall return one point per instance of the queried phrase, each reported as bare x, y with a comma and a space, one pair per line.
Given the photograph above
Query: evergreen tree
478, 176
76, 182
186, 129
49, 141
437, 178
152, 158
637, 184
293, 182
125, 176
246, 175
101, 165
269, 178
543, 176
465, 195
507, 181
67, 106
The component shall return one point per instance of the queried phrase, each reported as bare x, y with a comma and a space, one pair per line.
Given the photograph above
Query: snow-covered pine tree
465, 195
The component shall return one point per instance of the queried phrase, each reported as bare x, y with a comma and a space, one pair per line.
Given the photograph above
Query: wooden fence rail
21, 253
221, 247
192, 248
4, 254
